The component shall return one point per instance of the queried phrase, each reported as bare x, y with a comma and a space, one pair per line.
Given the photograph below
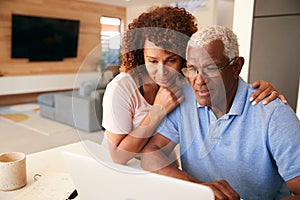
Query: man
237, 149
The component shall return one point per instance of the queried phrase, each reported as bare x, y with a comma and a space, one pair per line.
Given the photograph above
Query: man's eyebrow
195, 64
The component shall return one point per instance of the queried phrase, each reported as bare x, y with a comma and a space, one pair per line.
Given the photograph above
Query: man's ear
237, 66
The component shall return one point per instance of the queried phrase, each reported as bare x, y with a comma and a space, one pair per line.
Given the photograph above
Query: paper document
49, 186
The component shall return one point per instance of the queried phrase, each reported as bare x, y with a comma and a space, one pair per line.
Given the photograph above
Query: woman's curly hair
166, 26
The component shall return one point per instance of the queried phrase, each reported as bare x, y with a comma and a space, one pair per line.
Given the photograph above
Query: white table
47, 161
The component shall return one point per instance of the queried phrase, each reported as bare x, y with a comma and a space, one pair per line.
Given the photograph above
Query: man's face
211, 85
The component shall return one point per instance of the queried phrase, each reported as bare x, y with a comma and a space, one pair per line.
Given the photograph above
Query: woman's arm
124, 147
294, 186
265, 89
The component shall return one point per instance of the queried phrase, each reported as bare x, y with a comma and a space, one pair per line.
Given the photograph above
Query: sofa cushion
46, 99
87, 87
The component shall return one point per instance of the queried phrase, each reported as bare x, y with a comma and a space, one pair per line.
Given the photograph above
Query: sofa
80, 108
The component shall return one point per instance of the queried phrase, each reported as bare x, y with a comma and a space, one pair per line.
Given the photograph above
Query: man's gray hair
208, 34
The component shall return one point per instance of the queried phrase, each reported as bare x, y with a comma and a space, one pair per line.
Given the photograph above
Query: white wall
134, 11
242, 26
204, 16
224, 10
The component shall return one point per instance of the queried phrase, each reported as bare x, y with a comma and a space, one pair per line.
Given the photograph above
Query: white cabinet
275, 46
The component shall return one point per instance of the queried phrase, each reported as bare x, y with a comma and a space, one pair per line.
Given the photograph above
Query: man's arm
155, 158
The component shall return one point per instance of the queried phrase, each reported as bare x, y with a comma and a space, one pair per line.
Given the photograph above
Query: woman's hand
168, 98
265, 89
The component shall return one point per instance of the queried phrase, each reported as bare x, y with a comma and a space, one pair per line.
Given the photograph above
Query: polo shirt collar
240, 98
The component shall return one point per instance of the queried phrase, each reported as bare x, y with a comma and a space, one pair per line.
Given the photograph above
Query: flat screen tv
44, 38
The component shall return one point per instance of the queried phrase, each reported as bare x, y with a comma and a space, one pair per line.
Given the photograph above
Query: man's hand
222, 190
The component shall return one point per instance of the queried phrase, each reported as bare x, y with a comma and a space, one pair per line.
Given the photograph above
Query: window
110, 40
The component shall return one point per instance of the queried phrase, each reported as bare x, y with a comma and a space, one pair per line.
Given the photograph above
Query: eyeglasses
210, 71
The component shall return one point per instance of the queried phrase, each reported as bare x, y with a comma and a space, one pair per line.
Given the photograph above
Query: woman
148, 87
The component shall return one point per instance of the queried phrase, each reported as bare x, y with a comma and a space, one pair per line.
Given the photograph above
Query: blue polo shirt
255, 148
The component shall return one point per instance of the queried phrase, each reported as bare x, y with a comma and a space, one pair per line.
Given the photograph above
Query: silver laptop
95, 179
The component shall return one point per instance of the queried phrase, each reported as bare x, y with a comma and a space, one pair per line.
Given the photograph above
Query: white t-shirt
124, 107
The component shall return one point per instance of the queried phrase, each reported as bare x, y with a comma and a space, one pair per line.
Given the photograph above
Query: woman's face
162, 66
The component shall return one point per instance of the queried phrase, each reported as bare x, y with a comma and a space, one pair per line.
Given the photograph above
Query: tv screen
44, 38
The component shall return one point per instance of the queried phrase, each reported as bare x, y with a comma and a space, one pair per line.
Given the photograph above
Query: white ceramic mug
12, 171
